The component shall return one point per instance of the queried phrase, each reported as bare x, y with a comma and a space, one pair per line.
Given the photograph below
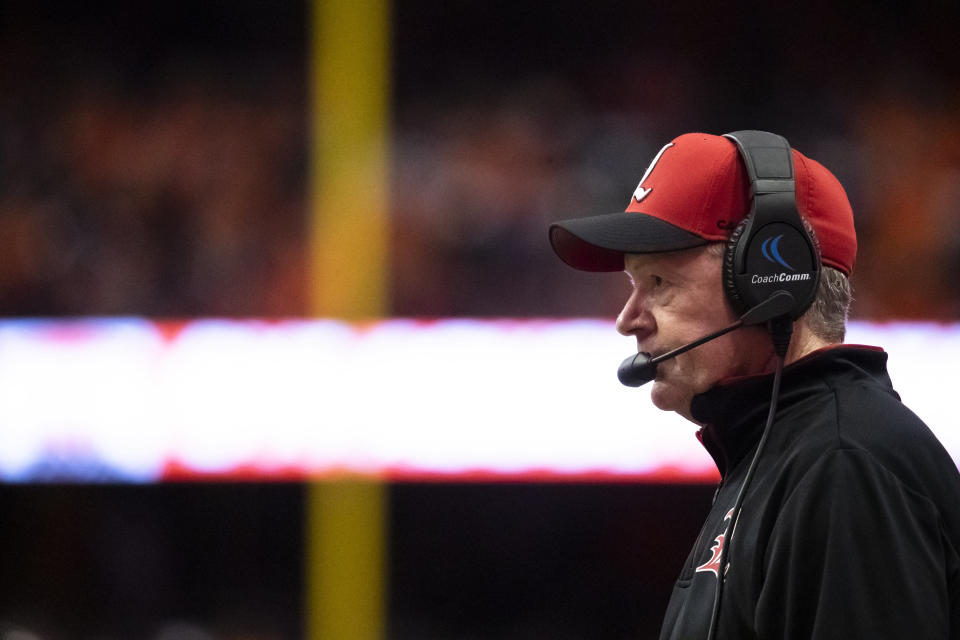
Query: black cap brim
598, 243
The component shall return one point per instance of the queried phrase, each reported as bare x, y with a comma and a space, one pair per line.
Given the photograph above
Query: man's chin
667, 397
663, 396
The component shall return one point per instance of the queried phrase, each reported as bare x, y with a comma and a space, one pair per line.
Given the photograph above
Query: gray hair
827, 316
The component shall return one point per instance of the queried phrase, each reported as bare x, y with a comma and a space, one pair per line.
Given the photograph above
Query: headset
771, 271
773, 249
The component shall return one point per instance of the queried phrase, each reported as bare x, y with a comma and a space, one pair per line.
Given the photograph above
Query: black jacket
851, 525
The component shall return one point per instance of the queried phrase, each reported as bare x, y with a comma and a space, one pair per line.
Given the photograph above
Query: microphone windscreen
637, 370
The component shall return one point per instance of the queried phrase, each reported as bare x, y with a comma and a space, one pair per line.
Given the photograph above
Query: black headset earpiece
729, 283
773, 249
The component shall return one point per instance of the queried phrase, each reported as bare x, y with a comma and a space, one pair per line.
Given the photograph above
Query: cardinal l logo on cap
641, 192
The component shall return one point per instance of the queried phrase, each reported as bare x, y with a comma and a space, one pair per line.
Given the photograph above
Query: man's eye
657, 281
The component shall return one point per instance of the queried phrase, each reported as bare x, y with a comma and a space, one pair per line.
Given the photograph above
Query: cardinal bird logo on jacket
713, 564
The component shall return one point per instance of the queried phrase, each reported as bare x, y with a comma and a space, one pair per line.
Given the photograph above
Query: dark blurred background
153, 161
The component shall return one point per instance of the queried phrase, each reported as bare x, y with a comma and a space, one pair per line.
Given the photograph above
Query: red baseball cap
696, 191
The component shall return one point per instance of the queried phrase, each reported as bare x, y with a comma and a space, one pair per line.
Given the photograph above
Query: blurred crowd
181, 191
175, 199
189, 199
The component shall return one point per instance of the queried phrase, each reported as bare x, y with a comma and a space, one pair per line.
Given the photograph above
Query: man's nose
635, 319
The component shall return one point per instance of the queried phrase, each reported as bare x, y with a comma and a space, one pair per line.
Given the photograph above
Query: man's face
676, 298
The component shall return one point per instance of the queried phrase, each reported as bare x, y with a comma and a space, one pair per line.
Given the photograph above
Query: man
845, 521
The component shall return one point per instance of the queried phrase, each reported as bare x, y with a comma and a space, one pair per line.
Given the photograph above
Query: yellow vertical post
345, 548
349, 158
